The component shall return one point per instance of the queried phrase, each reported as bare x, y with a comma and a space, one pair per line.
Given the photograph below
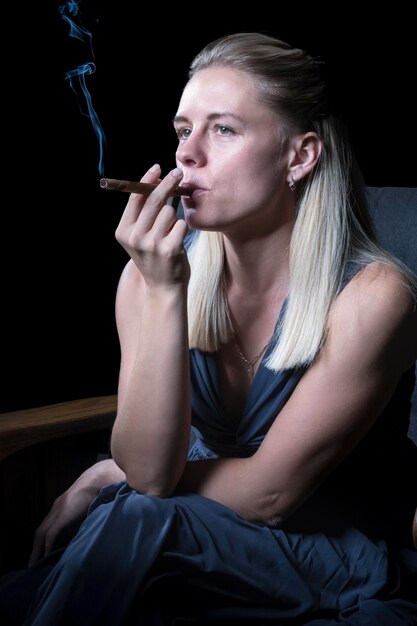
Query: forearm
99, 475
151, 433
236, 483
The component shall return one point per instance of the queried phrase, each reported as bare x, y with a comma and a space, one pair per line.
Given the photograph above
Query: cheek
260, 185
256, 177
245, 169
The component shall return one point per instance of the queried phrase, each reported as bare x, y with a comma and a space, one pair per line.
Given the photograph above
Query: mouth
196, 189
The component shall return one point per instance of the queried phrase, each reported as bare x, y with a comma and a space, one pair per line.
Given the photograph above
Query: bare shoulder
378, 307
378, 287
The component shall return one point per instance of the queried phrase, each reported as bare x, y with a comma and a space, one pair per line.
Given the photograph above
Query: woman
271, 322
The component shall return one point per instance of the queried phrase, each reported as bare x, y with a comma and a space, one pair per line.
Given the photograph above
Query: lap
212, 562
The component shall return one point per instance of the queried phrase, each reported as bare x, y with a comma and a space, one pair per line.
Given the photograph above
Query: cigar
143, 188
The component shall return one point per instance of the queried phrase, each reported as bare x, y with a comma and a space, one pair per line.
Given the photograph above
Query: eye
183, 133
224, 131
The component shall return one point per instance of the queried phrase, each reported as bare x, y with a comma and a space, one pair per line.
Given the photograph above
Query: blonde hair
332, 225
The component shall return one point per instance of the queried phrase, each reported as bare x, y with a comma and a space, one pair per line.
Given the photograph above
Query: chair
44, 449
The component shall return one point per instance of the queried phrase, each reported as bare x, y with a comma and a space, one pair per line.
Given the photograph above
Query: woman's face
230, 150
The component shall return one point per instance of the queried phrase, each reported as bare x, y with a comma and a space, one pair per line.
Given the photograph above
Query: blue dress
345, 556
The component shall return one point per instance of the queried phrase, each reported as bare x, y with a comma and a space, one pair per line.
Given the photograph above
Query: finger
158, 198
41, 534
50, 540
173, 242
38, 548
178, 232
164, 221
136, 201
35, 555
151, 176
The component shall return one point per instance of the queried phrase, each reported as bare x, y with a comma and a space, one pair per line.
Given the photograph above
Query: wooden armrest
20, 429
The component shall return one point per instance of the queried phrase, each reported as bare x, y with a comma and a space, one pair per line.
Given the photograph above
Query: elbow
143, 479
146, 483
273, 509
149, 483
148, 487
148, 469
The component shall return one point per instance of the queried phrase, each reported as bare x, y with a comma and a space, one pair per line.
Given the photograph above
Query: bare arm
371, 341
151, 432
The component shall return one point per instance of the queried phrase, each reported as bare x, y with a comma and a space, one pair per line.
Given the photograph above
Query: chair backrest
394, 216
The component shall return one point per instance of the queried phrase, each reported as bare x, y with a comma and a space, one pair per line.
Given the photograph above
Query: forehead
221, 89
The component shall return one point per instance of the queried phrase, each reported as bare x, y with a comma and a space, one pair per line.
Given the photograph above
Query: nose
191, 151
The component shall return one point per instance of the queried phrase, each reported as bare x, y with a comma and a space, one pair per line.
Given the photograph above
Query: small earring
292, 185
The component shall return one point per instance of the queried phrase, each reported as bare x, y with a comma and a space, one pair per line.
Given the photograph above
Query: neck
257, 266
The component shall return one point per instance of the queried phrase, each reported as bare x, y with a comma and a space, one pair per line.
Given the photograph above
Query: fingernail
177, 172
154, 168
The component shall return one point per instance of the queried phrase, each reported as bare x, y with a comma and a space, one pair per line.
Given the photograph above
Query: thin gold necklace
250, 363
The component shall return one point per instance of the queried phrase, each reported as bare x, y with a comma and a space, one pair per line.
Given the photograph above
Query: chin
195, 219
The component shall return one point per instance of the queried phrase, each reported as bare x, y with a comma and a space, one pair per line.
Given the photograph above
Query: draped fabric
344, 557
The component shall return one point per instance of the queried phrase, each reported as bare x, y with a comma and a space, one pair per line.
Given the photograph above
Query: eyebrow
211, 117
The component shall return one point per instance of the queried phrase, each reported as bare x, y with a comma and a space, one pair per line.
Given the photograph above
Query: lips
196, 187
193, 184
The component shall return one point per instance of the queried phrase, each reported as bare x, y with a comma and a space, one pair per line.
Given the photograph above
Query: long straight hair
332, 225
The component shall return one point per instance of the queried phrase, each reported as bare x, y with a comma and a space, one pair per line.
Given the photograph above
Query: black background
60, 261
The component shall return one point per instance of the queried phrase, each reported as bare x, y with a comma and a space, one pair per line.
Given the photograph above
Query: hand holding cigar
130, 186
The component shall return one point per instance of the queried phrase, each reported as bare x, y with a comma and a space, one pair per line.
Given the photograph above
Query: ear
304, 152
